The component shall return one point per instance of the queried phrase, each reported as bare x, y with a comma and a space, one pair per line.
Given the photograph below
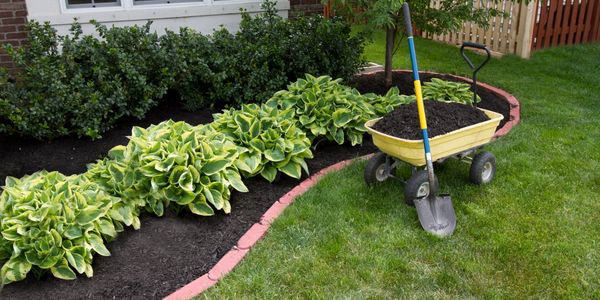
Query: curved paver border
249, 239
515, 106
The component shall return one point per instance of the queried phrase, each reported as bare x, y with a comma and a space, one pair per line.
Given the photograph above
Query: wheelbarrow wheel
377, 169
417, 186
483, 168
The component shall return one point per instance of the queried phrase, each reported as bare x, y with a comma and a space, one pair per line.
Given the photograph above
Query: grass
532, 233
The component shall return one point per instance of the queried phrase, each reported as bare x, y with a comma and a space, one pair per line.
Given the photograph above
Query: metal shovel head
436, 214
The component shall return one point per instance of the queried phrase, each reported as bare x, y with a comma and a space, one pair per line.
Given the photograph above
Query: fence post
525, 31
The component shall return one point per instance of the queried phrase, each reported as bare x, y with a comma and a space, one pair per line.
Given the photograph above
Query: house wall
12, 27
203, 17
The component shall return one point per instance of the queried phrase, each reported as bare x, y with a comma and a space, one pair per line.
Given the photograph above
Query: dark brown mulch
375, 83
168, 252
441, 118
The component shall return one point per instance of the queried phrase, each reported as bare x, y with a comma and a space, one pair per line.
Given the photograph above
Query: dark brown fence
566, 22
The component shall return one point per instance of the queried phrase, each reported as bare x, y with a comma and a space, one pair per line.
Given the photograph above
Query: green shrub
325, 108
197, 68
172, 162
54, 222
270, 137
269, 51
442, 90
80, 84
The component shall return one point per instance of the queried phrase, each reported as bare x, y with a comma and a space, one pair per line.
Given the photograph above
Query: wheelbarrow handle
476, 46
475, 70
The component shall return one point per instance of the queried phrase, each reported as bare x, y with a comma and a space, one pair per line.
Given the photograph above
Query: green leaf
63, 271
88, 215
235, 180
269, 173
76, 261
73, 232
186, 181
274, 155
97, 244
201, 208
292, 169
107, 228
14, 269
215, 165
341, 117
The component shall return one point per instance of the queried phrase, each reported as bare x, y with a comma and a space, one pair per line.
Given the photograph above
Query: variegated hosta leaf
271, 140
47, 220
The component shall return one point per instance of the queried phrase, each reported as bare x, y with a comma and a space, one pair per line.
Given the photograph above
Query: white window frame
102, 4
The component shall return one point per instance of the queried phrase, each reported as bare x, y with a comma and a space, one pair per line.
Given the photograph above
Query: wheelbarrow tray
449, 144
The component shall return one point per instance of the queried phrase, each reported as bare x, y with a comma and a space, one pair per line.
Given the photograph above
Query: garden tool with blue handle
436, 213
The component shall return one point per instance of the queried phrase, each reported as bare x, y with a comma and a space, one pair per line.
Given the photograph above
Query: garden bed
168, 252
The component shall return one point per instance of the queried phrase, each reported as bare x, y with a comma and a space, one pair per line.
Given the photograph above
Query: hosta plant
173, 162
54, 222
271, 140
325, 108
442, 90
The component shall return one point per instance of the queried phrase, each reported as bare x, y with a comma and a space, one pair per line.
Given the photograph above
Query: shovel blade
436, 214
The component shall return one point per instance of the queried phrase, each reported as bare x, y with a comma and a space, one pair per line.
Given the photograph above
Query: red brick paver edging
251, 237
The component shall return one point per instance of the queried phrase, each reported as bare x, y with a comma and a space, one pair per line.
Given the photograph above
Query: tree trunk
390, 36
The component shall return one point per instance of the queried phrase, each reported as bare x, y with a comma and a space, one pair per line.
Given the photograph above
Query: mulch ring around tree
442, 118
167, 252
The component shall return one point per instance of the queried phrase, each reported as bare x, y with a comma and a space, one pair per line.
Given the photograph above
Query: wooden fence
529, 27
505, 34
566, 22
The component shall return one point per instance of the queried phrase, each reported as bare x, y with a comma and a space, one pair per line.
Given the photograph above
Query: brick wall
13, 17
303, 7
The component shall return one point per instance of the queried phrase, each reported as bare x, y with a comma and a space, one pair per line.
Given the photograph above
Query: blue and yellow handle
417, 81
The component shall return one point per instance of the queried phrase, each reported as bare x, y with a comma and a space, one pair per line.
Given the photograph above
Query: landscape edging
232, 258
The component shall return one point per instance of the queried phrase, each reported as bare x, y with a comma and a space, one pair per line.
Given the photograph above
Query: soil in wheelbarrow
375, 83
442, 118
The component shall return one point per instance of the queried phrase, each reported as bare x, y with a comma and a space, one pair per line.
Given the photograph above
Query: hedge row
82, 84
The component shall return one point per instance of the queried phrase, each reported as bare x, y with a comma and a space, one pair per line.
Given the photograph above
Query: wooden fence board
573, 24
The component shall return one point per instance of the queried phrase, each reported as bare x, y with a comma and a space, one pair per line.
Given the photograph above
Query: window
162, 1
92, 3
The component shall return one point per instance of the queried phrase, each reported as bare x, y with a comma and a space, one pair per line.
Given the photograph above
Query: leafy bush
53, 222
172, 162
326, 108
270, 137
442, 90
197, 68
81, 84
269, 51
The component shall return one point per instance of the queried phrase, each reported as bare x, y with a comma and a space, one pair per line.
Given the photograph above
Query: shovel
436, 213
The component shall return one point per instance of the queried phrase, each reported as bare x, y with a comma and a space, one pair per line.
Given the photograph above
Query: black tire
483, 168
414, 187
375, 169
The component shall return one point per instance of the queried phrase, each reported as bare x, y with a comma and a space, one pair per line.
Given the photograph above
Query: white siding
203, 17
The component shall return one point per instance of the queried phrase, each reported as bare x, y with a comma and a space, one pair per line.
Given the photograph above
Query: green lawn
532, 233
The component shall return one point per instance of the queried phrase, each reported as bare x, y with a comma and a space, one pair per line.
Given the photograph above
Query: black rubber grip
407, 21
474, 45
